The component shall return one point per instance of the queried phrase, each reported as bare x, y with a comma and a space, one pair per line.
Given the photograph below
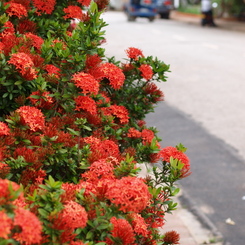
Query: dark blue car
141, 8
164, 8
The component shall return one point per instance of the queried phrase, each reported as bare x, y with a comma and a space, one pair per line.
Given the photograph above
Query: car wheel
131, 18
151, 18
164, 16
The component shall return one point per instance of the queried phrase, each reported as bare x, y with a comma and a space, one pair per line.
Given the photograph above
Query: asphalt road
203, 109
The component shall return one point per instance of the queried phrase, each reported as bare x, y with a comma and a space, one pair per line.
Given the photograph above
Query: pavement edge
187, 203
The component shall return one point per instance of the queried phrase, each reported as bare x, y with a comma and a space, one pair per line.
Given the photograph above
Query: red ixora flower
133, 133
73, 12
171, 237
26, 26
8, 29
139, 225
146, 71
101, 149
16, 9
170, 151
32, 117
117, 111
44, 102
92, 61
152, 89
77, 243
36, 40
6, 224
24, 64
100, 169
86, 83
134, 53
4, 129
84, 2
5, 194
122, 230
130, 194
86, 103
29, 225
44, 6
72, 216
110, 71
4, 170
147, 136
53, 70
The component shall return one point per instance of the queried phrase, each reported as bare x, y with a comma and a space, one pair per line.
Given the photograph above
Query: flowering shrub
72, 135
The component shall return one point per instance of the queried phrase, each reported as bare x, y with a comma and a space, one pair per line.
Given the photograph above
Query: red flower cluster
36, 41
102, 149
53, 70
72, 216
5, 226
26, 26
4, 169
86, 83
92, 61
110, 71
32, 117
8, 29
73, 12
139, 225
44, 102
5, 193
122, 230
4, 129
171, 237
84, 2
44, 6
29, 225
147, 136
154, 92
134, 133
117, 111
24, 64
99, 170
130, 194
86, 103
146, 72
173, 152
134, 53
16, 9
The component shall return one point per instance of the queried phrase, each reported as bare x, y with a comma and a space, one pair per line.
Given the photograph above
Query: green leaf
90, 235
93, 7
73, 132
43, 212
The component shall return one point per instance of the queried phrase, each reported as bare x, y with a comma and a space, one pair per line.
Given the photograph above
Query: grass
191, 9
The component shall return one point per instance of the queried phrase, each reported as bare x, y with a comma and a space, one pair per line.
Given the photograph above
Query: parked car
164, 8
140, 8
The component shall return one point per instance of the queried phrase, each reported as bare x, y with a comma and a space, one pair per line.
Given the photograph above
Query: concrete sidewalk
222, 23
194, 228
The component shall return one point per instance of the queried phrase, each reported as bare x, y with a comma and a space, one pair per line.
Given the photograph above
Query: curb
186, 202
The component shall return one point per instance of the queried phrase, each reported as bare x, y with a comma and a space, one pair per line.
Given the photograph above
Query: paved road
217, 183
204, 109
